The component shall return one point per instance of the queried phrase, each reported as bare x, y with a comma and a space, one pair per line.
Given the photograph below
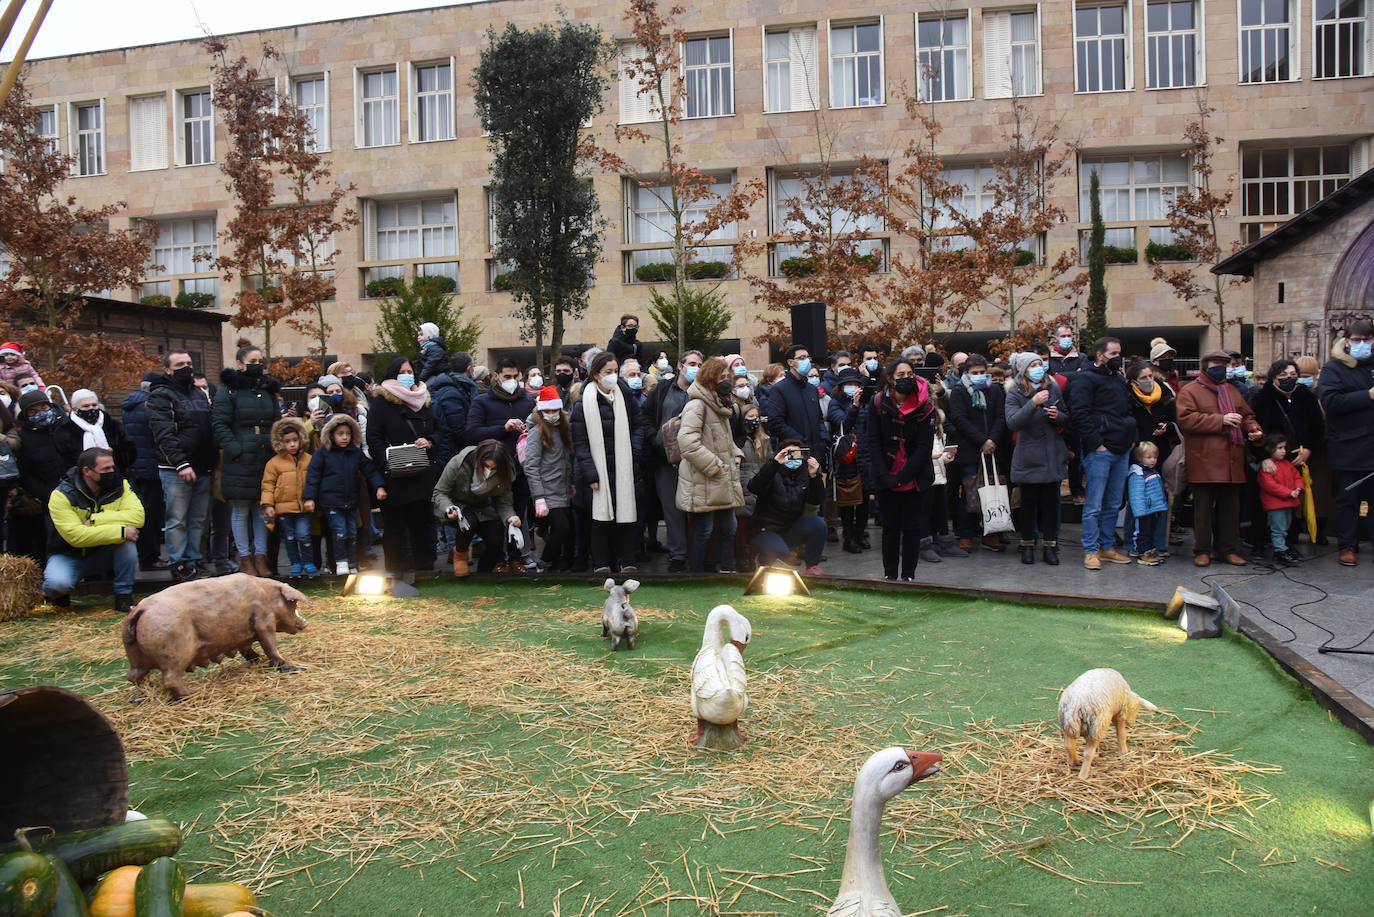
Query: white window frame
1199, 33
155, 156
878, 238
201, 275
361, 106
75, 136
942, 50
370, 228
1320, 25
53, 138
1127, 42
419, 98
999, 67
1291, 180
803, 73
205, 125
321, 144
718, 246
831, 27
1294, 44
726, 103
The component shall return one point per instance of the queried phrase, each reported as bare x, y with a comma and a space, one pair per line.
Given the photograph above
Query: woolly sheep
1094, 700
617, 617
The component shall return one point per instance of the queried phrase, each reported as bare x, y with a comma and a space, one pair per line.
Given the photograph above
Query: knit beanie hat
549, 399
11, 347
29, 399
1159, 348
1020, 362
430, 331
327, 380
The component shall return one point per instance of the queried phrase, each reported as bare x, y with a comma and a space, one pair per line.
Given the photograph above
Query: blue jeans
241, 513
187, 507
721, 520
63, 572
1152, 533
1279, 521
343, 527
809, 530
1106, 483
295, 532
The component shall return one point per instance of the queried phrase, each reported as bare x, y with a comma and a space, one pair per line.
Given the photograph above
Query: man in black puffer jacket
179, 418
1346, 390
781, 522
143, 475
1100, 411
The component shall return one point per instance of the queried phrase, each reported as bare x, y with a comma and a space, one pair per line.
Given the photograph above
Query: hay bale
21, 586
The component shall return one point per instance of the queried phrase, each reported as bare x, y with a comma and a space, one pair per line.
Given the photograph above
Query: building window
1285, 181
87, 134
1341, 32
1100, 49
47, 126
432, 116
1011, 54
1171, 44
196, 144
649, 226
311, 96
379, 111
942, 59
636, 107
791, 83
175, 252
1267, 41
856, 65
410, 229
147, 133
1136, 188
710, 92
793, 212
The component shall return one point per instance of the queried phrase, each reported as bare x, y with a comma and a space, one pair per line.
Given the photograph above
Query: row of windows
421, 234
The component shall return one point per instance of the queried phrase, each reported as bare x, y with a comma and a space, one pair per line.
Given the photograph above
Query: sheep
617, 617
1095, 699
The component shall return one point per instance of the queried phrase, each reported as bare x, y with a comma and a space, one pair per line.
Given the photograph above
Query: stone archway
1351, 292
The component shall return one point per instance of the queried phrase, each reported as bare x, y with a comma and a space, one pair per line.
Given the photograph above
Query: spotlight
773, 580
1198, 615
374, 584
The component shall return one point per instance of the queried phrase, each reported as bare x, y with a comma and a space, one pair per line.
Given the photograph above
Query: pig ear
630, 585
292, 594
610, 584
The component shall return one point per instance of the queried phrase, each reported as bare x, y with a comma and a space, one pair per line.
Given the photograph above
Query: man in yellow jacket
93, 522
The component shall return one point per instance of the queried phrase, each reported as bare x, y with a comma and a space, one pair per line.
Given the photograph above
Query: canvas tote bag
995, 499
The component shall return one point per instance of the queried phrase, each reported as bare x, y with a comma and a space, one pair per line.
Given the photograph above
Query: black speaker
808, 329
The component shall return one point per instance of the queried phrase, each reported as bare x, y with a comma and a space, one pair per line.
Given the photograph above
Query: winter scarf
1148, 400
616, 503
1225, 405
412, 398
980, 400
94, 432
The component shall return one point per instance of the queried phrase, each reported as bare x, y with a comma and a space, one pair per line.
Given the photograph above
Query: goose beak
923, 764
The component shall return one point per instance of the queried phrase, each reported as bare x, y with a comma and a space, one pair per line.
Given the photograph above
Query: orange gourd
218, 899
114, 896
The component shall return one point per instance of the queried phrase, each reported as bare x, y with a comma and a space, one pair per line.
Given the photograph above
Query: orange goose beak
923, 764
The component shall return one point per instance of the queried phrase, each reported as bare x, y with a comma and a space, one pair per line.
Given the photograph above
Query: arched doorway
1351, 293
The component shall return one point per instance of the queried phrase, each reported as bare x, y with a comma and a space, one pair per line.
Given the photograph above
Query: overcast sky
74, 26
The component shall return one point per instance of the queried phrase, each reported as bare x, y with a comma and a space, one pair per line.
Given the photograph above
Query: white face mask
510, 385
552, 417
742, 391
536, 380
606, 381
486, 473
662, 364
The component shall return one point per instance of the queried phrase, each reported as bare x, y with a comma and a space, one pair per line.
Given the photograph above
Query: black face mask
631, 332
905, 385
109, 481
351, 382
253, 370
751, 425
1165, 365
723, 389
1286, 383
564, 379
1114, 364
184, 376
90, 415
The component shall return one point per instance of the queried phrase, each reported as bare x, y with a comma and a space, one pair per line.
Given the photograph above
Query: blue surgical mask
978, 380
1360, 350
1241, 372
690, 373
336, 399
803, 366
1306, 381
1230, 372
814, 380
406, 379
31, 387
794, 464
871, 365
741, 370
1066, 344
849, 390
635, 383
1036, 373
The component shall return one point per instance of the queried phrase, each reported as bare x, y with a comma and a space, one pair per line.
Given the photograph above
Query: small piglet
194, 624
617, 617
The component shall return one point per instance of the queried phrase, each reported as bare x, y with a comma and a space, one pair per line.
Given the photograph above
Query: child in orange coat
1280, 494
283, 493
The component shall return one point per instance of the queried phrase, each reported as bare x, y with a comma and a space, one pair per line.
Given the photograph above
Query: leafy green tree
424, 299
535, 91
699, 312
1096, 326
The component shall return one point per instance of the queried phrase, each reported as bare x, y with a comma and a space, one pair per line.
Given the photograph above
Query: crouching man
93, 522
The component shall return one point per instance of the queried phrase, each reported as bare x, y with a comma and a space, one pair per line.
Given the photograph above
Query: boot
851, 543
1051, 553
460, 562
863, 540
949, 546
1027, 552
246, 565
260, 567
928, 552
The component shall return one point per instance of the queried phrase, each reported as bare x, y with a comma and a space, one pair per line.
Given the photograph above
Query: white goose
863, 888
719, 683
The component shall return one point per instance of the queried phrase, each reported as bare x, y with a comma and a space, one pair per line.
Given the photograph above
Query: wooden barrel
63, 764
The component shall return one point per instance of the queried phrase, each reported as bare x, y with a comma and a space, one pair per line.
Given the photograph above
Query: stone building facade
1290, 81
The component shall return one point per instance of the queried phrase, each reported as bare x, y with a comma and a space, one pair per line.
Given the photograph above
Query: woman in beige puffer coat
708, 484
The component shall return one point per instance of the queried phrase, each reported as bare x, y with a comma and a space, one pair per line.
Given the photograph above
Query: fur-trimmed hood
238, 378
381, 391
327, 431
1339, 354
290, 423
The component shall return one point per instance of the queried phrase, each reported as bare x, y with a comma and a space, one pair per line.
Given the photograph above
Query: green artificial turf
572, 815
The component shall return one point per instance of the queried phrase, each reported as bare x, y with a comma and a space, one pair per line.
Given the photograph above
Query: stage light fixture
1198, 615
375, 584
776, 581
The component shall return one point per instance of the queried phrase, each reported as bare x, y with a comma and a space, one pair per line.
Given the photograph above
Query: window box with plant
156, 299
188, 300
662, 271
501, 283
1120, 254
383, 287
1163, 251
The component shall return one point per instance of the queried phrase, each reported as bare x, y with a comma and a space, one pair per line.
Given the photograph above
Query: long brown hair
546, 429
493, 450
711, 372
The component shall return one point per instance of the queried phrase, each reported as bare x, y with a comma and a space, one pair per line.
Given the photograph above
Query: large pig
203, 621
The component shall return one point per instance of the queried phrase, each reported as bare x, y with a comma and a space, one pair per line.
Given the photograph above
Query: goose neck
863, 865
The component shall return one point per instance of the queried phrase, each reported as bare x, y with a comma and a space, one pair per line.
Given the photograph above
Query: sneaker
631, 568
124, 603
294, 572
352, 568
604, 570
1288, 557
311, 571
674, 566
1092, 562
1151, 559
813, 570
341, 568
1114, 556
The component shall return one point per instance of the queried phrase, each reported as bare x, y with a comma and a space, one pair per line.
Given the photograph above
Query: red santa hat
11, 347
548, 399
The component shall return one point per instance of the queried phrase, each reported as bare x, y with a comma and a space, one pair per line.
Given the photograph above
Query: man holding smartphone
781, 521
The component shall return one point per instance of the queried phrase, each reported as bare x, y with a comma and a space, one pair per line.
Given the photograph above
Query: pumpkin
114, 896
216, 899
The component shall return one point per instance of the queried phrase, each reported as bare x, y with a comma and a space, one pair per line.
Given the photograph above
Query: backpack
522, 446
671, 450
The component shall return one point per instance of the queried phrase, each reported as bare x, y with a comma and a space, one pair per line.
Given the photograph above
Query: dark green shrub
188, 300
156, 299
384, 286
654, 273
707, 270
1160, 251
1119, 254
501, 283
439, 283
798, 266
